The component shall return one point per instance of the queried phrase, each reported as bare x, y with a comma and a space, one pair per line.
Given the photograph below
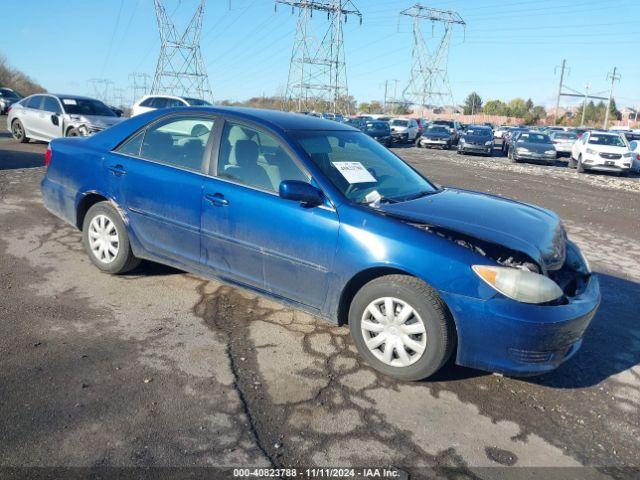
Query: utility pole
318, 68
615, 77
584, 102
180, 69
429, 82
555, 113
384, 104
139, 84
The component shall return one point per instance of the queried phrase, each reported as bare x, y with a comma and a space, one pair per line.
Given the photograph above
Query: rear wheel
18, 132
401, 327
106, 241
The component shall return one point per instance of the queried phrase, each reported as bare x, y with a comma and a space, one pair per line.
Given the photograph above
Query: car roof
278, 119
63, 95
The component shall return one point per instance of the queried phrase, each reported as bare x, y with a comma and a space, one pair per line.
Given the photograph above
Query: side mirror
301, 192
634, 145
55, 120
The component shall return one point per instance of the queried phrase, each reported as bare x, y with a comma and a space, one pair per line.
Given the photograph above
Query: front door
252, 235
50, 118
157, 177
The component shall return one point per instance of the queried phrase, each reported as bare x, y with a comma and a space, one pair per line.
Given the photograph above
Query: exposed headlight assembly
520, 285
591, 151
550, 152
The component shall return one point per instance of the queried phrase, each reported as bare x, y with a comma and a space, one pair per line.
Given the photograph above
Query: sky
508, 49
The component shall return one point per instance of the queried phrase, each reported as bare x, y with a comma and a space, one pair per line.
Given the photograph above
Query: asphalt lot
162, 368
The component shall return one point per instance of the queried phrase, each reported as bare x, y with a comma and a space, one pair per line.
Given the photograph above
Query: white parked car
602, 151
563, 141
498, 132
154, 102
46, 116
404, 129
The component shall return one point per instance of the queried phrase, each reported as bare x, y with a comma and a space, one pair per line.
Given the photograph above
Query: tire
73, 132
571, 163
580, 167
512, 156
18, 132
429, 317
108, 218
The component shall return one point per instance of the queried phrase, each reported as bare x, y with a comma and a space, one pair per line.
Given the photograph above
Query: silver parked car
7, 98
47, 116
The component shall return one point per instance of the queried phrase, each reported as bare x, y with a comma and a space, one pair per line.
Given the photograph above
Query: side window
132, 146
34, 102
255, 159
51, 105
159, 102
174, 102
178, 142
148, 102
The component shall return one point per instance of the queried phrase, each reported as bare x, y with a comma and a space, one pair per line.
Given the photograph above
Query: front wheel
106, 241
571, 163
401, 327
580, 167
73, 132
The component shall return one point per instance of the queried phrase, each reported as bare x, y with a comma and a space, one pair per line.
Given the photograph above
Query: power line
113, 35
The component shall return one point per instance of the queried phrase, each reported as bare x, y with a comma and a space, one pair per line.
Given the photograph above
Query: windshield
565, 136
534, 138
399, 123
376, 126
195, 102
438, 130
443, 122
609, 140
8, 94
86, 106
480, 132
361, 168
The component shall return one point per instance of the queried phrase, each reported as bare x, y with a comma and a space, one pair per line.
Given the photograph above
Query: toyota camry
320, 215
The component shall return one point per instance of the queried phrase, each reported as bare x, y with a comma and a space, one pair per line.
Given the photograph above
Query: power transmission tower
563, 68
101, 88
614, 77
139, 84
429, 82
180, 69
317, 72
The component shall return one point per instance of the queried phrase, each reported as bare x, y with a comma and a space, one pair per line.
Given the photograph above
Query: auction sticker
354, 172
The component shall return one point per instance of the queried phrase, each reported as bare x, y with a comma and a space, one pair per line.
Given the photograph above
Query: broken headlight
520, 285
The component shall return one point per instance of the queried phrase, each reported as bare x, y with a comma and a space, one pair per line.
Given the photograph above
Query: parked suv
404, 129
154, 102
7, 98
602, 151
47, 116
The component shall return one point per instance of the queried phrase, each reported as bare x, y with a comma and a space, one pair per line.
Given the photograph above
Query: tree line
17, 81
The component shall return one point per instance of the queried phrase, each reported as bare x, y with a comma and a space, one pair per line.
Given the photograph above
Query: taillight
47, 157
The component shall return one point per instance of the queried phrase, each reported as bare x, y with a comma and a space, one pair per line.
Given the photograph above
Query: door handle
117, 170
216, 199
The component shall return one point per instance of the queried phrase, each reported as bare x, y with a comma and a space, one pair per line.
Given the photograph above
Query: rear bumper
505, 336
434, 142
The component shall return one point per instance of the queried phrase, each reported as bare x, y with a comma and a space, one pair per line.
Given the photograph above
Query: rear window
534, 138
399, 123
481, 132
565, 136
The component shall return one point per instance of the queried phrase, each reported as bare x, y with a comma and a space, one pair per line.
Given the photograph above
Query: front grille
611, 156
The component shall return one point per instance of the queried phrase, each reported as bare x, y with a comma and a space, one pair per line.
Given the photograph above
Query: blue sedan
321, 216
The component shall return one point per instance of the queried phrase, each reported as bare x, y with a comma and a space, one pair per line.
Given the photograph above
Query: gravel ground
162, 368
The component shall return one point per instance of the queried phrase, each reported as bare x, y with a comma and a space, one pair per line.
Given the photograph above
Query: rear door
157, 177
252, 235
30, 117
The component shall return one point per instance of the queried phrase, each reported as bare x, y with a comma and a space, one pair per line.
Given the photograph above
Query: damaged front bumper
519, 339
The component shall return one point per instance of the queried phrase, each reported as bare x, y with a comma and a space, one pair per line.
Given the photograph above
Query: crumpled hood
534, 231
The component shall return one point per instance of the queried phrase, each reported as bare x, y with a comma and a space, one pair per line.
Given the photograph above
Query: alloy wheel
393, 332
104, 240
18, 133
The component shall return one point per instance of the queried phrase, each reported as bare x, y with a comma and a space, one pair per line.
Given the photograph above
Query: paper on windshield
69, 101
354, 172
